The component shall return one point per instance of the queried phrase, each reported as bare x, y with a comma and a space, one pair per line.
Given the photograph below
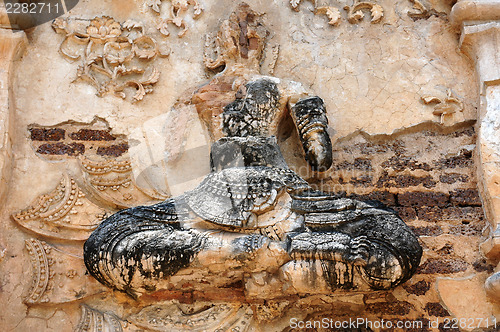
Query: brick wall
427, 176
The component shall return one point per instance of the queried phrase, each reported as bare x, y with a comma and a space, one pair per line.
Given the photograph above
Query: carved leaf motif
377, 13
358, 16
355, 13
332, 13
295, 4
92, 58
131, 24
60, 25
155, 5
153, 77
64, 49
164, 50
163, 27
140, 92
197, 10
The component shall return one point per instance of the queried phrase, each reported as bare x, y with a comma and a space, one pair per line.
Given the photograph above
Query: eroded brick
427, 231
42, 134
406, 213
436, 309
113, 150
442, 266
418, 198
420, 288
451, 178
397, 308
72, 149
465, 197
92, 135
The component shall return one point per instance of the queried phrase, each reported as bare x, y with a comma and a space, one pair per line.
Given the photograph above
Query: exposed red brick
451, 178
430, 213
401, 163
447, 249
113, 150
467, 229
164, 295
363, 180
385, 197
406, 213
404, 181
92, 135
418, 198
419, 288
229, 295
361, 164
442, 266
482, 266
464, 159
465, 197
427, 231
72, 149
461, 214
398, 308
52, 134
436, 309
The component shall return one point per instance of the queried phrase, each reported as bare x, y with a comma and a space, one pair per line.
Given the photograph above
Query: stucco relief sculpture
253, 219
114, 56
355, 12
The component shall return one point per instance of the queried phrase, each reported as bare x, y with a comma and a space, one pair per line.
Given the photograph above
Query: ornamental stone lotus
104, 28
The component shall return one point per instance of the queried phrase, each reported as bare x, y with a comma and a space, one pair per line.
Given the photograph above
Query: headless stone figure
252, 218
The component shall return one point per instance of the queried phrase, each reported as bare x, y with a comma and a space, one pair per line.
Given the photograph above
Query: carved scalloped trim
93, 320
51, 214
41, 262
112, 181
355, 14
217, 317
101, 168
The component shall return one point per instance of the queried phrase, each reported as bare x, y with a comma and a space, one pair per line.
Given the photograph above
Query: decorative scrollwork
110, 54
93, 320
332, 13
176, 12
355, 13
444, 108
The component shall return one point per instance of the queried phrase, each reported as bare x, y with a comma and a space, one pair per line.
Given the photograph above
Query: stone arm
309, 116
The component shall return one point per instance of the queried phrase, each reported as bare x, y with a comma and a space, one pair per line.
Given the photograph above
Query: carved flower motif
104, 27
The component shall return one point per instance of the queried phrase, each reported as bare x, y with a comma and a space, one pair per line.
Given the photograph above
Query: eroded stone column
12, 44
480, 40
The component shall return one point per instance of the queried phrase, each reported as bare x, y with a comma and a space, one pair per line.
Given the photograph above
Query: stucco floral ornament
104, 28
113, 56
354, 13
178, 9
